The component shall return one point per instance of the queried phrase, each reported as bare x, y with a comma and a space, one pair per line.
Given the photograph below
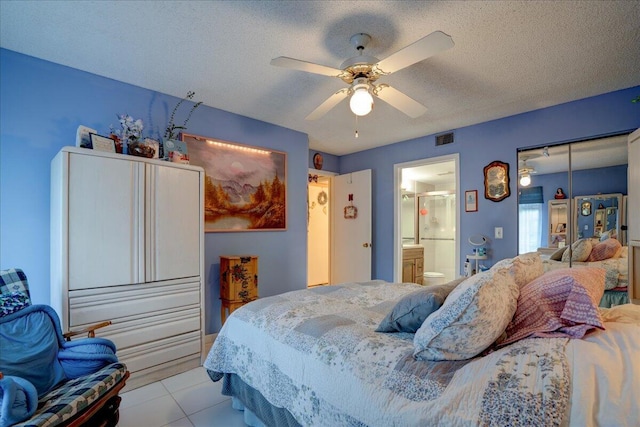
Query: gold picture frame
496, 181
245, 186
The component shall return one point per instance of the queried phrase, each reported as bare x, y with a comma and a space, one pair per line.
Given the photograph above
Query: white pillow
523, 268
474, 315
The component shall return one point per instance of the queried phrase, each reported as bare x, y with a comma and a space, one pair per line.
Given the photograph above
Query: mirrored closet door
570, 201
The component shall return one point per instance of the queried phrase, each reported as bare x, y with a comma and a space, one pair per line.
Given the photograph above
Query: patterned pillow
472, 317
12, 302
562, 302
557, 254
580, 251
409, 313
604, 250
523, 268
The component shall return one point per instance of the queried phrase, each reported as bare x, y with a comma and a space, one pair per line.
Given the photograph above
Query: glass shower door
437, 233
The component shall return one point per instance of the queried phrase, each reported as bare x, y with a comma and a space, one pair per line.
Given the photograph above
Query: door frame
397, 207
330, 176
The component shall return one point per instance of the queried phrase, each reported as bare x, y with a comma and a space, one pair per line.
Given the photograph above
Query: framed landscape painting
245, 187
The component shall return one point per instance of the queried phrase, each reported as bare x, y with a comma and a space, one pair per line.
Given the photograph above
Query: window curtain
530, 203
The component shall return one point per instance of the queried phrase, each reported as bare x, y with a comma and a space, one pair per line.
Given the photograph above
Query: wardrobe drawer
155, 353
136, 330
97, 305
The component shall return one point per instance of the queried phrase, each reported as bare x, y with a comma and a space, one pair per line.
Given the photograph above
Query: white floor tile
142, 394
186, 379
199, 397
220, 415
152, 413
182, 422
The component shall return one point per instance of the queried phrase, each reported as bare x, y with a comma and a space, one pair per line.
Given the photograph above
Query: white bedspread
315, 353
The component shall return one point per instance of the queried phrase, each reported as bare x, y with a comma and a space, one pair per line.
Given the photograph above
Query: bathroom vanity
412, 263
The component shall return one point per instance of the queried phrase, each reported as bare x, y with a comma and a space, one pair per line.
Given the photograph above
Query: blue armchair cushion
18, 400
30, 339
64, 402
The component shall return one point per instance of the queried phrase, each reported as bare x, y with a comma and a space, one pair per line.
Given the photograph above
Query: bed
614, 261
314, 358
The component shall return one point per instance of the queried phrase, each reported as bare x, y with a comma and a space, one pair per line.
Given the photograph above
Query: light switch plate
498, 233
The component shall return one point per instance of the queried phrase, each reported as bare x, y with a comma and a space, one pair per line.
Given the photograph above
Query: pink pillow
560, 303
604, 250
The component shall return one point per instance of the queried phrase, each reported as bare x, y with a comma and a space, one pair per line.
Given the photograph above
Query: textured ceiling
509, 56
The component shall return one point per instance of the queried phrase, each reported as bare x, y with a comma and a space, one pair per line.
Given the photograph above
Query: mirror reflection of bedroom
572, 208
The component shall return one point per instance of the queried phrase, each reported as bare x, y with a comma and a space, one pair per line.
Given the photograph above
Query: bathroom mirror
496, 181
477, 240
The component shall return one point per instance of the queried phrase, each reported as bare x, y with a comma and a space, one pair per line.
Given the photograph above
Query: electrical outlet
498, 232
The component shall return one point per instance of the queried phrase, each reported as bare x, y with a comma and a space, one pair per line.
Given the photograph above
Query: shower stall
436, 227
429, 219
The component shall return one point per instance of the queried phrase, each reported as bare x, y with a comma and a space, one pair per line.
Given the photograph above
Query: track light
525, 180
361, 102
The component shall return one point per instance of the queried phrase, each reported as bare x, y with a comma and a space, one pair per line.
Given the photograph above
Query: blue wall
478, 146
42, 105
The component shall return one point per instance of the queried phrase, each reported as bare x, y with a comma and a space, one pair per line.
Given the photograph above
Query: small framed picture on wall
471, 201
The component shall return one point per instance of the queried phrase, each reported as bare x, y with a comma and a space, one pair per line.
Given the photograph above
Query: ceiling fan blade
399, 100
309, 67
327, 105
427, 46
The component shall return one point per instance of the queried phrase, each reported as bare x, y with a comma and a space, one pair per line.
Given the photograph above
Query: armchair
47, 379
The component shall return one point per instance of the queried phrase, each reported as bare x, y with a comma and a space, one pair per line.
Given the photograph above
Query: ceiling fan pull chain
356, 125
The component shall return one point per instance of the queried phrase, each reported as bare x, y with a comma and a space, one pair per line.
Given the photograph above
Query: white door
104, 212
173, 218
351, 227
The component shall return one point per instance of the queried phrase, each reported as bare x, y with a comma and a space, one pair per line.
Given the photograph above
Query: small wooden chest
238, 282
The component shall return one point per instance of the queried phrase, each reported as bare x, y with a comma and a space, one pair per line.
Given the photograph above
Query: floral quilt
315, 352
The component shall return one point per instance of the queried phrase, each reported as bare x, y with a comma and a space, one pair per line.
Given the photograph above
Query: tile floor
189, 399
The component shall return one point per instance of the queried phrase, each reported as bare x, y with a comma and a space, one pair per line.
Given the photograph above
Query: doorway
427, 216
339, 227
318, 229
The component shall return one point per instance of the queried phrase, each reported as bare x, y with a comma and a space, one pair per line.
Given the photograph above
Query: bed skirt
254, 401
613, 297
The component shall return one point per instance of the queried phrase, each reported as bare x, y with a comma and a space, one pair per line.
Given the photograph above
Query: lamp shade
525, 180
361, 101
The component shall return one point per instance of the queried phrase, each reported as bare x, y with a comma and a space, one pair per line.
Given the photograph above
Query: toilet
432, 278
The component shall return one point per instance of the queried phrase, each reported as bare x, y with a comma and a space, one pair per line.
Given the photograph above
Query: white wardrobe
127, 245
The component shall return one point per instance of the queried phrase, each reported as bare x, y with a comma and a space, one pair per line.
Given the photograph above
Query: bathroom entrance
427, 219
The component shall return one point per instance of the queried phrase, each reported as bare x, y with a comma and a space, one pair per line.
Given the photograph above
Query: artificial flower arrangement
130, 132
128, 138
172, 129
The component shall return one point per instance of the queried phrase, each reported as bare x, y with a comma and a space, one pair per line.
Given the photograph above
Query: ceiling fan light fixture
361, 101
525, 180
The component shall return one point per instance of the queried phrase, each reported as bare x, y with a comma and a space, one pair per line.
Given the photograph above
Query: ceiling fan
360, 72
524, 171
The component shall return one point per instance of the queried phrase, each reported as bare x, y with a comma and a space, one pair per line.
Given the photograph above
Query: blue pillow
412, 309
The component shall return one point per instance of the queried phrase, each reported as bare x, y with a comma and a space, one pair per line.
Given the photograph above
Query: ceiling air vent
445, 138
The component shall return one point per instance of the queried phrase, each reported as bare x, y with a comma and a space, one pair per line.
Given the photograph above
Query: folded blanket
18, 400
86, 356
